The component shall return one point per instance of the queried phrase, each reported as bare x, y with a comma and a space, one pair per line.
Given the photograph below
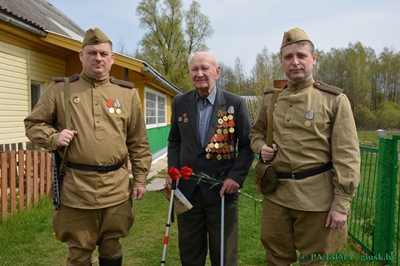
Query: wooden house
38, 42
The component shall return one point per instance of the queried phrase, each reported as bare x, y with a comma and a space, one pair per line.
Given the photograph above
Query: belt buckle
100, 168
294, 173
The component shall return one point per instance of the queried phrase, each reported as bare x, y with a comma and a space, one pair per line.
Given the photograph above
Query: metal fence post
385, 197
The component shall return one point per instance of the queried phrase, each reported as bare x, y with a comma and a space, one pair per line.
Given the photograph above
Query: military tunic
311, 127
103, 138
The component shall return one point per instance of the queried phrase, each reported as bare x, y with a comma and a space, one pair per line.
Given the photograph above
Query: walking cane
222, 228
170, 213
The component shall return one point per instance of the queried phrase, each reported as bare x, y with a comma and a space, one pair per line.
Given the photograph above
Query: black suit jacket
185, 149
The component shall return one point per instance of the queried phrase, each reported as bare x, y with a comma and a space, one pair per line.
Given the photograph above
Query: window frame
158, 95
39, 86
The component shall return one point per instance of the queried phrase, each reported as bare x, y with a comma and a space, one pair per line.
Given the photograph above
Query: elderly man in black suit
209, 133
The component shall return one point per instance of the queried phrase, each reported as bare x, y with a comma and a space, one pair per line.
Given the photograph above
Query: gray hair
213, 55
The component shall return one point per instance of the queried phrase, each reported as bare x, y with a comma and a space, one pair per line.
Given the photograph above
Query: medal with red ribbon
110, 104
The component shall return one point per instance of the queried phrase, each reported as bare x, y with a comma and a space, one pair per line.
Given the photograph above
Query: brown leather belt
102, 168
301, 174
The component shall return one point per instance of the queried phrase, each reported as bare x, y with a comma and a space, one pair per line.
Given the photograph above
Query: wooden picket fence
25, 177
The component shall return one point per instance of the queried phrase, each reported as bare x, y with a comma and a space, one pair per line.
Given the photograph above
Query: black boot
110, 262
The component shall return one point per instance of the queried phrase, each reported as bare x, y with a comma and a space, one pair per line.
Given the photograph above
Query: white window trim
41, 86
145, 108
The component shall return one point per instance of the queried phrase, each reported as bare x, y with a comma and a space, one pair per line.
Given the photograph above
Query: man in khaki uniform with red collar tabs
315, 152
106, 126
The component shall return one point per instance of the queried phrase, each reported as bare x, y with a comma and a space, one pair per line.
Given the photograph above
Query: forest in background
371, 81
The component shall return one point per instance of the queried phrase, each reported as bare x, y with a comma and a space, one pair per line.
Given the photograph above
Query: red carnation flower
186, 172
173, 173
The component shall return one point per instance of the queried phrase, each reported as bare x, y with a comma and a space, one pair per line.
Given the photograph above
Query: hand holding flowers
187, 173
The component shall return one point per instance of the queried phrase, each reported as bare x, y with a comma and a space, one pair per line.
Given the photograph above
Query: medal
310, 116
118, 105
76, 99
110, 105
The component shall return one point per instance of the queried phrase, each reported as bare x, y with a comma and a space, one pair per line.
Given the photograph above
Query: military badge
76, 99
184, 117
222, 143
118, 105
309, 116
110, 105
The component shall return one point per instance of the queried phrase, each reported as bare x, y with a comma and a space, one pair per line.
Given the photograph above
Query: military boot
110, 262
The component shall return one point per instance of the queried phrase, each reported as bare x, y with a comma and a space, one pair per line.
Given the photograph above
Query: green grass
27, 237
371, 139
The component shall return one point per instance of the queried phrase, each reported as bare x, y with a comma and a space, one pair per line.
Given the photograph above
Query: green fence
374, 217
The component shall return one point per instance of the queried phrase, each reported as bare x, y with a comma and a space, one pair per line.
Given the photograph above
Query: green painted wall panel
158, 138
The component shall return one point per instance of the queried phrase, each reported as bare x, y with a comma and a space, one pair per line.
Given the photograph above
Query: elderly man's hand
230, 186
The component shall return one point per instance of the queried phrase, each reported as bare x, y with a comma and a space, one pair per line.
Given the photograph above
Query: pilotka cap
294, 35
94, 36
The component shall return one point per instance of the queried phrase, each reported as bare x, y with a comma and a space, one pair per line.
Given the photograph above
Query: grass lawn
370, 138
27, 238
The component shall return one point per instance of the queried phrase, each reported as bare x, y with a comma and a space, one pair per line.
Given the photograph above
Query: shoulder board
268, 91
327, 88
72, 78
122, 83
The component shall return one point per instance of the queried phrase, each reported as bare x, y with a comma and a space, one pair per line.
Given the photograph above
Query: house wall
18, 68
25, 58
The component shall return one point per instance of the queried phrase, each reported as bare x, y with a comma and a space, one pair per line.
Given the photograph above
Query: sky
243, 28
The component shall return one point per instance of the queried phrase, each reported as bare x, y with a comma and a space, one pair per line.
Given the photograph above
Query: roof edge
23, 25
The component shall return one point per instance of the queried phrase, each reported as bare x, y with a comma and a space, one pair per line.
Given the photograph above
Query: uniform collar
301, 85
95, 81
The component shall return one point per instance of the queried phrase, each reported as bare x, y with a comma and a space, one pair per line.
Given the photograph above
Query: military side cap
294, 35
94, 36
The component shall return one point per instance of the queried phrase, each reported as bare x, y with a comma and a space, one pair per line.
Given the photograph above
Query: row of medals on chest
114, 106
219, 141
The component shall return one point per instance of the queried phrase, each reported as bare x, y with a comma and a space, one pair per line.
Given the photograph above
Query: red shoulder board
121, 83
72, 78
327, 88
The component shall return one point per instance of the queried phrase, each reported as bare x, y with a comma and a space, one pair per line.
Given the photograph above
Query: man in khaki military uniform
106, 126
316, 154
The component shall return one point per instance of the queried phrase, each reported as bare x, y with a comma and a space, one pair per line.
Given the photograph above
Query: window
36, 92
155, 109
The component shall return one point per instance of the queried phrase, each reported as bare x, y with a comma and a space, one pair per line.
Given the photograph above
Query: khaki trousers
202, 220
285, 230
83, 229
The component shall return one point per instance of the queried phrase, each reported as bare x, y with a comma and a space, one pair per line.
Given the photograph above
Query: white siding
18, 68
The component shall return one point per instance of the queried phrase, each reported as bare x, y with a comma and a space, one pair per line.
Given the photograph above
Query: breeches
203, 219
83, 229
285, 230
